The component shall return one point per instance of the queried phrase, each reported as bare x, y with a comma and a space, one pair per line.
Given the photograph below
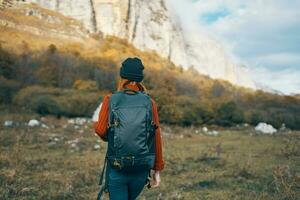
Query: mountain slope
42, 23
149, 25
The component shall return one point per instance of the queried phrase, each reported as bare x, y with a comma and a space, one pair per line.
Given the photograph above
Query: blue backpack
131, 131
130, 136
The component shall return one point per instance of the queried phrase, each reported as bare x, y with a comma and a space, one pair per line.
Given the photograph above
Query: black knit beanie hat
132, 69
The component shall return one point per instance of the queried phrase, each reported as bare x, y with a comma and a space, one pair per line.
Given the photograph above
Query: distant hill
297, 96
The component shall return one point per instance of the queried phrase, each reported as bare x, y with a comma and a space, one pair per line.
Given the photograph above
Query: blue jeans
125, 186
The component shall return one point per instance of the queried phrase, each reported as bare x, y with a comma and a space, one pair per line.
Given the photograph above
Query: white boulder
8, 123
78, 121
75, 141
33, 122
71, 121
45, 126
283, 127
265, 128
74, 145
204, 129
213, 133
96, 146
246, 125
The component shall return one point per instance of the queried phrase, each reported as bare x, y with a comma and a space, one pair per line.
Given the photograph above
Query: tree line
67, 83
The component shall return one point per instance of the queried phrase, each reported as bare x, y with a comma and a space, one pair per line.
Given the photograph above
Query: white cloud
286, 80
264, 34
279, 60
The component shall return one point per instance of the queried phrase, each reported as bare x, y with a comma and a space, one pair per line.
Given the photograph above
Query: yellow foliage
84, 85
110, 54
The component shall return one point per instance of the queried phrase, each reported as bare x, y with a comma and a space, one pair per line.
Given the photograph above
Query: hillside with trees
51, 76
65, 82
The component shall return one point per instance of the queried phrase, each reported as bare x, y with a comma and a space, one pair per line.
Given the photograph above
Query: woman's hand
156, 179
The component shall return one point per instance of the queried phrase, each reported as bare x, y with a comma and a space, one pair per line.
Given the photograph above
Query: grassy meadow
62, 161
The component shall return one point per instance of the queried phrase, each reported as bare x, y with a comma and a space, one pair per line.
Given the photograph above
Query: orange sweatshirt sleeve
159, 163
102, 125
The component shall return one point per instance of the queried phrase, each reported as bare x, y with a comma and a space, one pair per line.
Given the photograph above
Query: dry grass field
61, 161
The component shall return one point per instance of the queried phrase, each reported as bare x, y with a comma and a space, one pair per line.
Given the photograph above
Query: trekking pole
102, 179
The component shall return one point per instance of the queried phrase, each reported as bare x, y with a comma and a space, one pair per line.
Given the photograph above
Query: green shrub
58, 102
106, 79
73, 103
28, 94
6, 64
45, 105
217, 89
85, 85
185, 87
168, 111
229, 113
7, 89
292, 121
193, 112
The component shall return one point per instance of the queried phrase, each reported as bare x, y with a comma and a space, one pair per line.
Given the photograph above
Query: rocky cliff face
149, 25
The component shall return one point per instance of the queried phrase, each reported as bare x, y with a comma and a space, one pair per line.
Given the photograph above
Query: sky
264, 35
